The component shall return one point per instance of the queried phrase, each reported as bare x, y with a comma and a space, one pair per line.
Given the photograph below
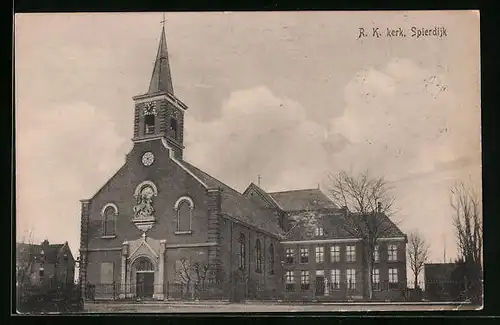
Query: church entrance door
145, 284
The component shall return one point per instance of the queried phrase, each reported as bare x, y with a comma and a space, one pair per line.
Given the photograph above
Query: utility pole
258, 180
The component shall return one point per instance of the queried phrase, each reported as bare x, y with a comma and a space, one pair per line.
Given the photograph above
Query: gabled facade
159, 218
45, 264
161, 228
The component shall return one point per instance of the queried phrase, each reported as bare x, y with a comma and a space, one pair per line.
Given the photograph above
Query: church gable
259, 197
145, 191
141, 247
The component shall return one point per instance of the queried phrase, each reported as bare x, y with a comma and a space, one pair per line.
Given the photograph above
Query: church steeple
158, 114
161, 79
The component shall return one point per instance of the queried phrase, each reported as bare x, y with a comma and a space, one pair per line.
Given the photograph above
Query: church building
161, 228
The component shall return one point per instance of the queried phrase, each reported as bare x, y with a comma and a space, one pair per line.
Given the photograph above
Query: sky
291, 96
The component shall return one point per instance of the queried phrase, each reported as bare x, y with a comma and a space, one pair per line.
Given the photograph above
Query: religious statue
144, 207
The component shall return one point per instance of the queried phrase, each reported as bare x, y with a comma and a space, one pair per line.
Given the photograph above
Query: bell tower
158, 113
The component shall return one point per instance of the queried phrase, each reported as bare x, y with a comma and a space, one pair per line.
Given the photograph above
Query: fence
449, 290
169, 290
31, 298
439, 290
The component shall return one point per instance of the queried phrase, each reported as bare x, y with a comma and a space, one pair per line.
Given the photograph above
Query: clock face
149, 109
148, 158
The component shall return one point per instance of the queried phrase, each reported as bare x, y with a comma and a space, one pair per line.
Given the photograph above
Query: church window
241, 252
258, 257
149, 118
271, 259
184, 214
149, 124
173, 128
108, 214
184, 209
144, 264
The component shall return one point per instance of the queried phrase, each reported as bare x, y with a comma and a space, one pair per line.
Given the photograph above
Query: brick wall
172, 183
312, 266
214, 233
359, 265
248, 283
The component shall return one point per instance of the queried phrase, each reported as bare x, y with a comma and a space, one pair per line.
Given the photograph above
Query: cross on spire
163, 20
161, 79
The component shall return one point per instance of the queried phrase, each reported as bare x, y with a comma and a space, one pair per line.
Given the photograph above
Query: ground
161, 307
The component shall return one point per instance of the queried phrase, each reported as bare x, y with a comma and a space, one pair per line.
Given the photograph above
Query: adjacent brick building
45, 264
161, 223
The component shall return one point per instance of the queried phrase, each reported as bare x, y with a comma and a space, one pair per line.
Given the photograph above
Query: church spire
161, 80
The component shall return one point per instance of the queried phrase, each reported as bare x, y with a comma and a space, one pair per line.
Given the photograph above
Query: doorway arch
143, 277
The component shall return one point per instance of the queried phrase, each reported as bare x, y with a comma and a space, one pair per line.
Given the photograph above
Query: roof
51, 251
434, 271
263, 194
299, 200
161, 79
211, 181
238, 206
335, 226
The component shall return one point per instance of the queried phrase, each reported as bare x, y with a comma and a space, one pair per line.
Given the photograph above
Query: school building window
376, 279
335, 253
320, 254
289, 281
392, 252
304, 280
335, 279
351, 279
350, 253
289, 255
304, 255
376, 254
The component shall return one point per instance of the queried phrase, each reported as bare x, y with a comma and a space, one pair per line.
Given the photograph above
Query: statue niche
144, 217
144, 208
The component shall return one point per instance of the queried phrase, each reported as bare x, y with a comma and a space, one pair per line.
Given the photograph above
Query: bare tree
467, 222
25, 258
193, 275
367, 205
418, 254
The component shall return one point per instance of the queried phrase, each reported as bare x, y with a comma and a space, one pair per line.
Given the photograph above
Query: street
266, 308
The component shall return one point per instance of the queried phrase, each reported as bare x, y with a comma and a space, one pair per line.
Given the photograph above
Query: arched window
184, 217
173, 128
258, 256
108, 214
184, 208
271, 259
143, 264
241, 252
149, 118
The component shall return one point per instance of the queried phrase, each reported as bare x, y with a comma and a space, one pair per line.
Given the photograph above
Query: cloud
64, 154
399, 120
261, 133
404, 119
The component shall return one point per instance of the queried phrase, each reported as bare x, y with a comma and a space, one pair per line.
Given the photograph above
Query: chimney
379, 206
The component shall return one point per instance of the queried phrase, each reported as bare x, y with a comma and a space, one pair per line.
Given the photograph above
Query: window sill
108, 237
184, 232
